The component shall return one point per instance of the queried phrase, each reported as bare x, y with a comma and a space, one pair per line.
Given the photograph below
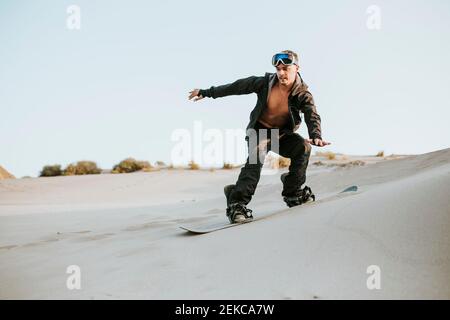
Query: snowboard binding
236, 212
302, 195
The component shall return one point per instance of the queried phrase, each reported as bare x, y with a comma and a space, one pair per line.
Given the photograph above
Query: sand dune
5, 174
121, 230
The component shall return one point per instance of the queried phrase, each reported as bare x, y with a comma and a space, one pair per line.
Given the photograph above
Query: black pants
290, 145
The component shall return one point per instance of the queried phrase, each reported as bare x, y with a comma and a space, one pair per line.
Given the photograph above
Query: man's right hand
318, 142
194, 94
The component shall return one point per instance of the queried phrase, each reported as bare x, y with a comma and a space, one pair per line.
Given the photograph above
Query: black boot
236, 212
301, 196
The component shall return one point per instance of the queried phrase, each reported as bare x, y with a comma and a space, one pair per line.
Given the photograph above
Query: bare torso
277, 112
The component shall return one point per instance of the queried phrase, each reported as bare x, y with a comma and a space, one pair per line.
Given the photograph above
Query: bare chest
277, 101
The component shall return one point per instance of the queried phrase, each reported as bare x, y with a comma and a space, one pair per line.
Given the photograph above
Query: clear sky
118, 87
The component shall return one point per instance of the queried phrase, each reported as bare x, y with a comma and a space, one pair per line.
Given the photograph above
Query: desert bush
357, 163
131, 165
283, 162
51, 171
81, 168
193, 166
227, 166
175, 167
380, 154
327, 154
160, 164
318, 163
349, 164
274, 161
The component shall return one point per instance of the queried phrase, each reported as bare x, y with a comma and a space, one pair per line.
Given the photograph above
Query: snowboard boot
236, 212
301, 196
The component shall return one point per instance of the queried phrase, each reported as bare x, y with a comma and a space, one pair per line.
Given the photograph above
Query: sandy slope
122, 232
5, 174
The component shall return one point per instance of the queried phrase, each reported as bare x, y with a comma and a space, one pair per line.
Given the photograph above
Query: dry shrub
283, 162
193, 166
81, 168
51, 171
349, 164
131, 165
160, 164
327, 154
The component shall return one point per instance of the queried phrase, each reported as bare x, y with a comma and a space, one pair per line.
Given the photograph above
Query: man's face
286, 74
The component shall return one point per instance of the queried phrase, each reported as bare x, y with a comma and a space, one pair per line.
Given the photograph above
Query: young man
281, 98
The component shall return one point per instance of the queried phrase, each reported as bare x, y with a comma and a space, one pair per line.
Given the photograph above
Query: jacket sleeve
252, 84
312, 118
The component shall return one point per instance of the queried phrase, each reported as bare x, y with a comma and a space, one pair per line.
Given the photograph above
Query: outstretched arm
312, 119
252, 84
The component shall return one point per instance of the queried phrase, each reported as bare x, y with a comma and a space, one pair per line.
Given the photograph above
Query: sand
122, 231
5, 174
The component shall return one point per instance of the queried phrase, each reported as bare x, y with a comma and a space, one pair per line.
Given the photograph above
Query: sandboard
224, 224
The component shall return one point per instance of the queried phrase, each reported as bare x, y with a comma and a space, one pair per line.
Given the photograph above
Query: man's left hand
318, 142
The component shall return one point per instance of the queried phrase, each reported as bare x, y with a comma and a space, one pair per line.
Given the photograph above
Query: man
281, 98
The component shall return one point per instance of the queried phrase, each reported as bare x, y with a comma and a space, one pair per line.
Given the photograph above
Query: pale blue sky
118, 87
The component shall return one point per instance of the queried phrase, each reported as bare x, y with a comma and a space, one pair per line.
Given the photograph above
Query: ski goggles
285, 58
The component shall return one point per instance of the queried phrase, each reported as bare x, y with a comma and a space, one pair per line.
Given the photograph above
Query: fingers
198, 98
318, 142
194, 94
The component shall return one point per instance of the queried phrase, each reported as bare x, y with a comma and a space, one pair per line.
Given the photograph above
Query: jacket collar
298, 86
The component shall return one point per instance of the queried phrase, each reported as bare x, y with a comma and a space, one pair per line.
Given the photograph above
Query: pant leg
295, 147
251, 172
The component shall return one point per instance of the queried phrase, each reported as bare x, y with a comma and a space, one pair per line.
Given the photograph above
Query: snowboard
224, 224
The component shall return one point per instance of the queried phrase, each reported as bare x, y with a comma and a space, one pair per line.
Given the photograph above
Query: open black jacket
299, 100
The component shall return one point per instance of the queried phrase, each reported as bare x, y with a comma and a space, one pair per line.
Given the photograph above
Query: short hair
294, 54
